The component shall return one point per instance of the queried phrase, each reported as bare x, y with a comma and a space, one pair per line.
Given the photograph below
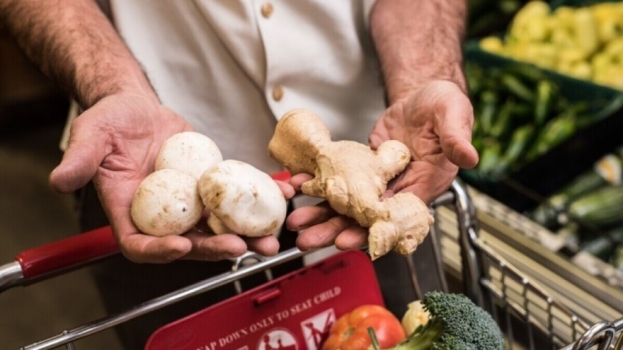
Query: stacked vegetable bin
547, 90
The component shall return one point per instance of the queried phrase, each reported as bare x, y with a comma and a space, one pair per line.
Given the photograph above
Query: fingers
298, 180
455, 131
209, 247
85, 152
306, 217
265, 246
427, 180
286, 188
324, 234
195, 245
379, 134
424, 192
142, 248
354, 237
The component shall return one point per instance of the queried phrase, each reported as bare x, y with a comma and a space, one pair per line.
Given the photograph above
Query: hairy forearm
418, 41
72, 42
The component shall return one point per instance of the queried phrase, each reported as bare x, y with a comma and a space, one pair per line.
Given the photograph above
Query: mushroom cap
246, 200
189, 152
166, 203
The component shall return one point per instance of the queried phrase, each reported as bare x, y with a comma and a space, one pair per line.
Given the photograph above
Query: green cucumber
554, 132
603, 246
545, 94
512, 114
601, 208
605, 172
517, 88
547, 212
529, 74
520, 141
488, 108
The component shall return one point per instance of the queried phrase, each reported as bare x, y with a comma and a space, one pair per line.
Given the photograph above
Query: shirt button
277, 93
267, 9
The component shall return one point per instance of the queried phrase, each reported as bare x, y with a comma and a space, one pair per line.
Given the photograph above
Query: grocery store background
33, 110
32, 114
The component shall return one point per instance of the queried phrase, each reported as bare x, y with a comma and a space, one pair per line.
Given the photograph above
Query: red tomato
350, 332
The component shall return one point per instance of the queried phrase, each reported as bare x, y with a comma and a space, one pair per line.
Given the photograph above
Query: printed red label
297, 318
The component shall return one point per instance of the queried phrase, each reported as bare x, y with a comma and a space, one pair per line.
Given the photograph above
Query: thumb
85, 152
455, 131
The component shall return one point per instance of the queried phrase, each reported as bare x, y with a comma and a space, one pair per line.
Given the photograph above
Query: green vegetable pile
589, 211
456, 323
519, 114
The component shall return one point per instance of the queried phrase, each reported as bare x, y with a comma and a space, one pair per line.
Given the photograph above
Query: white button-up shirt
232, 68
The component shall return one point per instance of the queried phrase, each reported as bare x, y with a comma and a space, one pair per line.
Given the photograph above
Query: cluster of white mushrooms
191, 176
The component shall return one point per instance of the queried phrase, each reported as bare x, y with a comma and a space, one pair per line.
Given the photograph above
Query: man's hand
116, 140
115, 143
435, 122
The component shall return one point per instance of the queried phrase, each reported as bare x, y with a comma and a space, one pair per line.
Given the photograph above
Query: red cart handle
67, 252
78, 249
281, 176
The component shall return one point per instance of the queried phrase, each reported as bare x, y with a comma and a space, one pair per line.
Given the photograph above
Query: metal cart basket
528, 315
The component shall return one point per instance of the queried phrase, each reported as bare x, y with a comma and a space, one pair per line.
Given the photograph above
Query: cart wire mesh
529, 317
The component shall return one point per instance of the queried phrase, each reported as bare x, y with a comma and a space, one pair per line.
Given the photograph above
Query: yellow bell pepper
600, 62
612, 76
583, 42
492, 44
530, 23
544, 55
614, 48
585, 29
563, 27
571, 55
607, 16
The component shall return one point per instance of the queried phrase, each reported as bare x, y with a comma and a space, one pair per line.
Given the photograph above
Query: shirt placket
270, 22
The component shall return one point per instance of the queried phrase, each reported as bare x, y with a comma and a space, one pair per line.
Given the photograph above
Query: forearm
74, 43
418, 41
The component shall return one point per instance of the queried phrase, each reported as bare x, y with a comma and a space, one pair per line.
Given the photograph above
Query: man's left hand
435, 123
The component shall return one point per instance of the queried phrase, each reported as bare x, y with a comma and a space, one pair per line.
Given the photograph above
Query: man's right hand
115, 143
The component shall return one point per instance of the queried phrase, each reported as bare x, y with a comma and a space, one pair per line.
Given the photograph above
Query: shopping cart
528, 315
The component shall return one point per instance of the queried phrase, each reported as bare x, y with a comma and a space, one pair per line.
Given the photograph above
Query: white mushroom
242, 199
166, 203
189, 152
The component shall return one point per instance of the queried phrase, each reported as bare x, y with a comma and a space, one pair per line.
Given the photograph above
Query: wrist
406, 83
102, 80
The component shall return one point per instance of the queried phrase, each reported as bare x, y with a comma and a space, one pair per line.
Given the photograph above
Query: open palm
436, 124
115, 144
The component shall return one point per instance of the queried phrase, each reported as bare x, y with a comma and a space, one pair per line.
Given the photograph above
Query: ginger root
352, 178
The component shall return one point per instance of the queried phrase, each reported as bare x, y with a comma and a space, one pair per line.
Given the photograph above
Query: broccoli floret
455, 323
